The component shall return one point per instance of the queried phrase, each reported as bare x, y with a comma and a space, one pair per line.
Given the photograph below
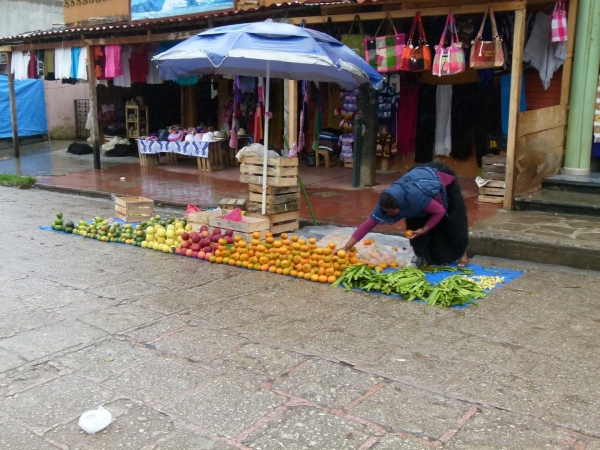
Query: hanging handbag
384, 53
416, 58
487, 54
449, 60
558, 28
355, 41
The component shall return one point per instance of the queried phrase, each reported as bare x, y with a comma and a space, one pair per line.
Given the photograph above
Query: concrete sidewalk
191, 355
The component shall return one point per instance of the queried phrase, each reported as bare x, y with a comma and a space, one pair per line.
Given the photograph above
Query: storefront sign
156, 9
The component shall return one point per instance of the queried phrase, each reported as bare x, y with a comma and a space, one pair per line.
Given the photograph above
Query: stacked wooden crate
494, 169
283, 191
134, 209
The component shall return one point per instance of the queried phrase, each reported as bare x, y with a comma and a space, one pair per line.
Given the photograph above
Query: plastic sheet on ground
386, 248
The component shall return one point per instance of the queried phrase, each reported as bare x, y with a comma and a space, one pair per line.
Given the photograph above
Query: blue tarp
31, 108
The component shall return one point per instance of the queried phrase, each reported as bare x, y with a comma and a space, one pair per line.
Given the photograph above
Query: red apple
204, 242
185, 236
216, 237
204, 234
188, 252
207, 256
228, 232
201, 255
207, 249
194, 254
229, 239
216, 231
204, 228
195, 247
195, 238
178, 251
185, 244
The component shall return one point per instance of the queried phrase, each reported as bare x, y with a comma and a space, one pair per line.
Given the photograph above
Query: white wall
60, 107
21, 16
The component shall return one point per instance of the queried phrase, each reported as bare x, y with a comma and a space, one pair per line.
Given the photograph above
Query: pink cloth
113, 67
435, 208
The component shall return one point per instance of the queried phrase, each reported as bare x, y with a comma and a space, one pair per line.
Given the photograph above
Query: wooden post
291, 95
367, 108
515, 101
94, 106
13, 105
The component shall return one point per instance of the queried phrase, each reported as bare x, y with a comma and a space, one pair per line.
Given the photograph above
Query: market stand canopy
294, 53
31, 108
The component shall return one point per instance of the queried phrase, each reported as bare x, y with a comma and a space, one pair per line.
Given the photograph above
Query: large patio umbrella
267, 49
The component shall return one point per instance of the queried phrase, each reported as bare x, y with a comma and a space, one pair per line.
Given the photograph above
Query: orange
254, 260
313, 246
269, 240
308, 276
226, 260
298, 267
322, 279
314, 277
353, 260
242, 244
264, 267
371, 265
244, 263
218, 259
300, 274
296, 259
237, 238
393, 264
240, 264
256, 235
329, 272
341, 253
261, 248
257, 266
231, 262
408, 233
268, 234
284, 235
272, 269
321, 271
383, 265
255, 242
279, 271
295, 246
286, 271
319, 251
312, 240
225, 253
285, 263
263, 260
217, 252
293, 273
302, 241
331, 279
327, 251
277, 244
306, 267
294, 238
244, 257
337, 274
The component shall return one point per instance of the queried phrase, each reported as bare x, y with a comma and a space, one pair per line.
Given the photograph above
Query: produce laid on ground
289, 255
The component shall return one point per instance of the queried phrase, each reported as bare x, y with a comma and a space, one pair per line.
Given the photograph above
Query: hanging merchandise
49, 65
346, 139
138, 63
20, 65
62, 63
99, 60
384, 53
124, 80
545, 56
487, 54
82, 73
449, 60
558, 28
355, 41
416, 58
597, 115
318, 120
443, 121
406, 125
113, 67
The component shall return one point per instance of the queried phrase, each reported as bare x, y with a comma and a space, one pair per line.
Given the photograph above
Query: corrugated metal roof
64, 32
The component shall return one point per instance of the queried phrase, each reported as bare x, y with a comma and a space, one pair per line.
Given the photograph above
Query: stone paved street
191, 355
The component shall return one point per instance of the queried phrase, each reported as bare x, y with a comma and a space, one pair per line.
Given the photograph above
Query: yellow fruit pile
286, 256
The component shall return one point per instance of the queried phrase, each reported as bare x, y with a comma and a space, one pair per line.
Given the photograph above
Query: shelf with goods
137, 120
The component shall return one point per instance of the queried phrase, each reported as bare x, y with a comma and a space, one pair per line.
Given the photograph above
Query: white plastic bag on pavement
95, 420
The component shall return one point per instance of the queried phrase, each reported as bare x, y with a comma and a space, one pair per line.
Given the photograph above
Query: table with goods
293, 255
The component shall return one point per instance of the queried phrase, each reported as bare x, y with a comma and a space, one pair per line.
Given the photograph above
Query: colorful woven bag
355, 41
416, 58
487, 54
384, 53
558, 27
449, 60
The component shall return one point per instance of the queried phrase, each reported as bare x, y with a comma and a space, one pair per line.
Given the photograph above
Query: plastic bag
191, 209
235, 215
95, 420
373, 252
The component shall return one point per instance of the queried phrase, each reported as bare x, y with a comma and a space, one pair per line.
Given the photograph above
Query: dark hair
387, 201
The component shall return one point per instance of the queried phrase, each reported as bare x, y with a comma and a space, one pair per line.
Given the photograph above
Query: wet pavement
191, 355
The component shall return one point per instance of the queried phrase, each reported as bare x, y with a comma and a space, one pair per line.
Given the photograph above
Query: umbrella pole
312, 214
266, 141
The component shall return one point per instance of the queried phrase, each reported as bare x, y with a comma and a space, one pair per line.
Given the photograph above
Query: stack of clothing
328, 140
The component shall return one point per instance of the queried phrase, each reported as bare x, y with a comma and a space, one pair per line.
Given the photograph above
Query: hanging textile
443, 121
124, 80
62, 63
303, 113
113, 67
318, 120
597, 115
32, 66
406, 124
99, 60
138, 63
49, 65
75, 52
541, 53
82, 73
20, 65
426, 110
153, 76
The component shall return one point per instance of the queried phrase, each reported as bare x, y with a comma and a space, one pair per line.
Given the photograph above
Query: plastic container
95, 420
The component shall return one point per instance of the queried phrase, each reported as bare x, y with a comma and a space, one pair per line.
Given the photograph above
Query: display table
211, 155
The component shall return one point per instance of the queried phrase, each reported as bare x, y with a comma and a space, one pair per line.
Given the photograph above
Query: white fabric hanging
443, 122
20, 64
153, 76
62, 63
125, 79
82, 73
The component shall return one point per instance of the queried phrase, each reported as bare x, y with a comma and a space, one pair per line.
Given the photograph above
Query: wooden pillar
94, 107
367, 110
291, 111
13, 105
515, 100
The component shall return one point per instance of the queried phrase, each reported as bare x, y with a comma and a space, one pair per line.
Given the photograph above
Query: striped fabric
597, 115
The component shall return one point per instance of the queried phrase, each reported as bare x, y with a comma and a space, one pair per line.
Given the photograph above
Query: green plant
18, 181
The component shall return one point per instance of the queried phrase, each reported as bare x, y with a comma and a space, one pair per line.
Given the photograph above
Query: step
588, 184
560, 202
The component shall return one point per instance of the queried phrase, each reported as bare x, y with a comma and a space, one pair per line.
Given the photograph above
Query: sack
416, 58
191, 209
355, 41
449, 60
487, 54
234, 215
558, 27
384, 53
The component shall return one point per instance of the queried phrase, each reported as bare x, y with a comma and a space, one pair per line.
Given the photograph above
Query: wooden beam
5, 48
407, 13
13, 105
567, 74
292, 131
515, 101
94, 107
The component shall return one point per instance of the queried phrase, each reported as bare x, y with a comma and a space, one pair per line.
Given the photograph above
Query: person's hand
418, 232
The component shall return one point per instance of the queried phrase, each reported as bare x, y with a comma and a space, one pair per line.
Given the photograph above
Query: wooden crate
134, 209
492, 192
278, 199
272, 208
348, 165
229, 204
287, 222
196, 220
247, 225
280, 171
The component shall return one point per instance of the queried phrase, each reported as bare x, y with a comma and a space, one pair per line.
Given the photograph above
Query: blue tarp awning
31, 108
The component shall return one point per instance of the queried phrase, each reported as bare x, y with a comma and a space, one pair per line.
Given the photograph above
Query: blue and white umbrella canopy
294, 53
